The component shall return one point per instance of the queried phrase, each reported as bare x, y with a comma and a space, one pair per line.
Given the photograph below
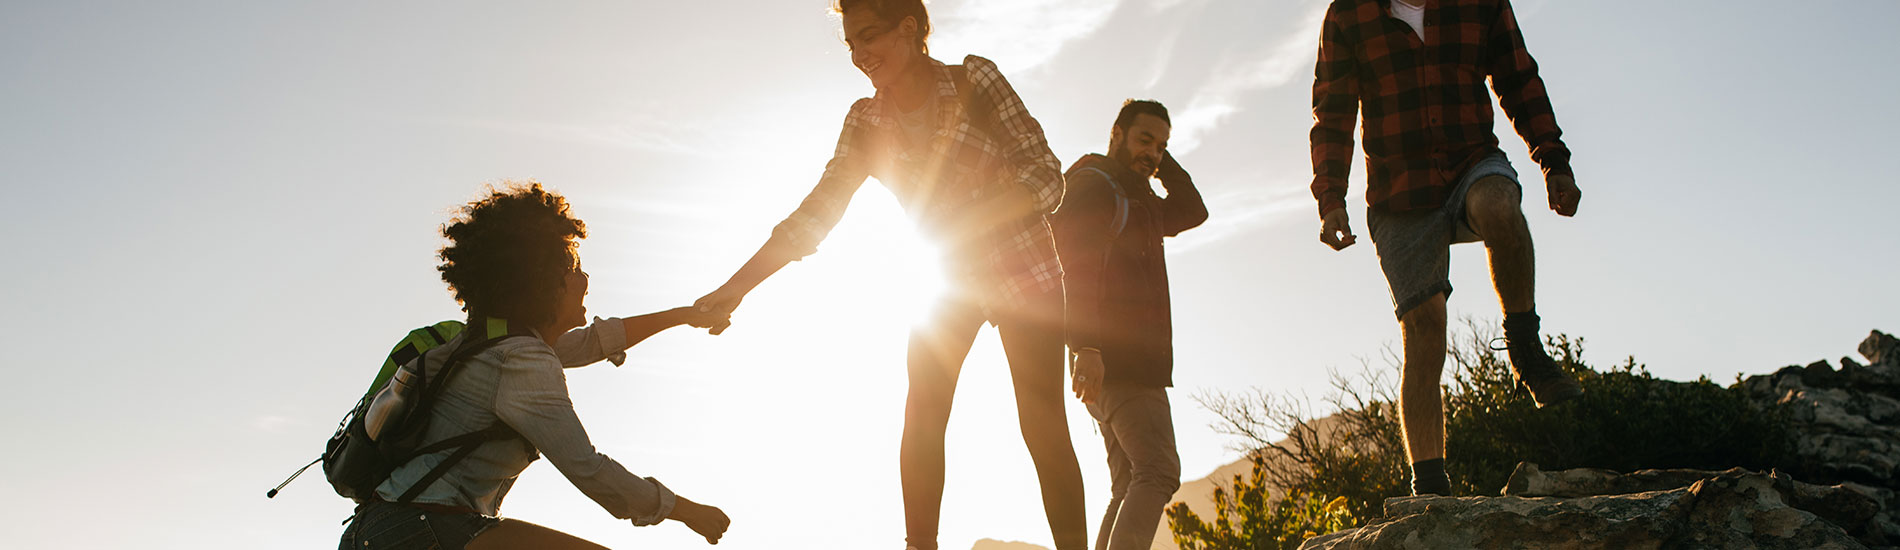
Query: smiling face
1139, 145
883, 49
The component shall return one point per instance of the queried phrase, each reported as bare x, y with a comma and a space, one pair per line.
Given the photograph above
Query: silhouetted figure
512, 265
1435, 177
972, 168
1120, 328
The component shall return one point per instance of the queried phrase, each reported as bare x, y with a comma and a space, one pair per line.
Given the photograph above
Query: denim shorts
1415, 247
386, 526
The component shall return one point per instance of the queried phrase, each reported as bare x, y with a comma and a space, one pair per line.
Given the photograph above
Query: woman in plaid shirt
971, 166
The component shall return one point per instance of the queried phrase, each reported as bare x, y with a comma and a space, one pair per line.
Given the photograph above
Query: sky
218, 216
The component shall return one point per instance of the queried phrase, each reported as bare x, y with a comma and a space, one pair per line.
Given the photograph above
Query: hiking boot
1537, 372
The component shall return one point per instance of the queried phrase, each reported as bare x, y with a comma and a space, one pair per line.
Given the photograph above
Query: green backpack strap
416, 342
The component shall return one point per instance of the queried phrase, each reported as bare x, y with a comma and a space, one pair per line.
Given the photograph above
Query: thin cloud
1232, 212
1026, 33
1234, 79
633, 131
271, 423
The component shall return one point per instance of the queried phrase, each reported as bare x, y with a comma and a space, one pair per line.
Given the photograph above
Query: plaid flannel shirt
1427, 113
951, 186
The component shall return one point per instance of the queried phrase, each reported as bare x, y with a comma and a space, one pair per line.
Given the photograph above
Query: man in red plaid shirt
1435, 177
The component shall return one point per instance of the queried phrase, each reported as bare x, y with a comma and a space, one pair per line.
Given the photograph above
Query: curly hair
509, 253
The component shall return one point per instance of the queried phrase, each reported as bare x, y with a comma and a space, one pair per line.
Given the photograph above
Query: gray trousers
1144, 469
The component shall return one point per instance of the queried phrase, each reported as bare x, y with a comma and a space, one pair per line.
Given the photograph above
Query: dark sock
1429, 478
1521, 328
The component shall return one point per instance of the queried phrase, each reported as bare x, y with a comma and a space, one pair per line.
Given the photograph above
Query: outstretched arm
798, 236
531, 397
609, 338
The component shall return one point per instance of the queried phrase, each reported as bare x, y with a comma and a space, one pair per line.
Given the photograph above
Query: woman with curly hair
511, 263
971, 166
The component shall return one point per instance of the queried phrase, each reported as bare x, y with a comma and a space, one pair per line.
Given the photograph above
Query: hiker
511, 263
1434, 177
1109, 231
967, 161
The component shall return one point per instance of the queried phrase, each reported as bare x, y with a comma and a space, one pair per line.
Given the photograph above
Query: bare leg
1493, 207
936, 355
516, 534
1035, 351
1421, 411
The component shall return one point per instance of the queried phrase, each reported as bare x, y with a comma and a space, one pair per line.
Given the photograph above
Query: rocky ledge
1599, 509
1846, 423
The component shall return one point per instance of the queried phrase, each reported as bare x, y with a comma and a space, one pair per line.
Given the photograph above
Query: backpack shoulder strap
1120, 221
467, 442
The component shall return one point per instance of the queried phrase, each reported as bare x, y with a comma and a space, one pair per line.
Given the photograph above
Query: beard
1146, 166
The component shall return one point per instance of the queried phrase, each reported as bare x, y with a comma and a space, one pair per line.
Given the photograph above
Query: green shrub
1626, 420
1245, 519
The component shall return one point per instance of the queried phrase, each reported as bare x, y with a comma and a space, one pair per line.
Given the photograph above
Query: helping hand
720, 302
694, 317
1563, 193
1336, 230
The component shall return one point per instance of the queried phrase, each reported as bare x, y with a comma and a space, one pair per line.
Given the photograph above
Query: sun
879, 261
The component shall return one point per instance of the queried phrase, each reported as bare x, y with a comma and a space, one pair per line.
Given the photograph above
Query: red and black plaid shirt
949, 181
1427, 112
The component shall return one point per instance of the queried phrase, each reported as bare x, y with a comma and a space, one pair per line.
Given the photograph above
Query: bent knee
1163, 474
1494, 196
1157, 482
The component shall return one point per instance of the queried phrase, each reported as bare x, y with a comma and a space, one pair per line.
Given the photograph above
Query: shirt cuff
613, 338
667, 500
1556, 166
1330, 203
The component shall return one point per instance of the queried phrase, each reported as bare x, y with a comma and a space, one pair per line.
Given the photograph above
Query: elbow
1186, 223
1194, 219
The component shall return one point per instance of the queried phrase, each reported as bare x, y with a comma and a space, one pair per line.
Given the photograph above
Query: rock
1846, 436
993, 544
1529, 481
1732, 509
1879, 347
1847, 421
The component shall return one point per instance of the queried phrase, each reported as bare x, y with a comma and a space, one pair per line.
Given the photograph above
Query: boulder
1847, 426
